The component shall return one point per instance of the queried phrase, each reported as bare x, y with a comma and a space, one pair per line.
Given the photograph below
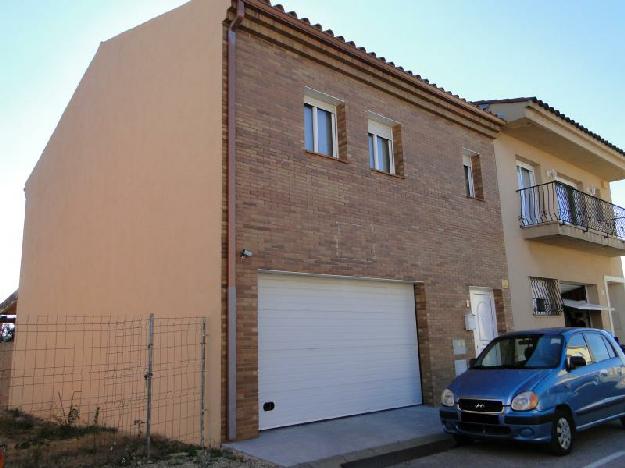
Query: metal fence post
148, 379
202, 381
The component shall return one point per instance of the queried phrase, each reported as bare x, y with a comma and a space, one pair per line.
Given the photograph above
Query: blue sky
569, 53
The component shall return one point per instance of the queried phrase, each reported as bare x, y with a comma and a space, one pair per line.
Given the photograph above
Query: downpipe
232, 254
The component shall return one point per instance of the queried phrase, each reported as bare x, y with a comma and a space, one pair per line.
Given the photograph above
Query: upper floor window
320, 133
381, 156
468, 175
472, 166
530, 199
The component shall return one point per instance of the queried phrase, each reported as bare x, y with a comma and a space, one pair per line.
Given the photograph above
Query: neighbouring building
8, 309
335, 217
563, 236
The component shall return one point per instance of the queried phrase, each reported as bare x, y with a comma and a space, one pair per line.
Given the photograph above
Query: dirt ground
31, 443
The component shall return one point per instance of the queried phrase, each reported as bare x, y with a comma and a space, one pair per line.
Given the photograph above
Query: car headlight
525, 401
447, 398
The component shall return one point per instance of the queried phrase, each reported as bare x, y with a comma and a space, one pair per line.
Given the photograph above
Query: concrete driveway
346, 438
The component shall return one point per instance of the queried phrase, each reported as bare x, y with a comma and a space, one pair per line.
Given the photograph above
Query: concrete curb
386, 455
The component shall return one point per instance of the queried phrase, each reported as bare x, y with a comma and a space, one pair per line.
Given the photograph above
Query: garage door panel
332, 347
285, 329
288, 373
366, 302
310, 336
339, 401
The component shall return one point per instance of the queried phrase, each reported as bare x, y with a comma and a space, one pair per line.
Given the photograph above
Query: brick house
336, 217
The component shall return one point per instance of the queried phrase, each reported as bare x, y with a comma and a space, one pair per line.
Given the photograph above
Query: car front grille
484, 429
479, 418
480, 406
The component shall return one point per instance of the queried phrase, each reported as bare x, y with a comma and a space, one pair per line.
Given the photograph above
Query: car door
581, 383
604, 362
615, 380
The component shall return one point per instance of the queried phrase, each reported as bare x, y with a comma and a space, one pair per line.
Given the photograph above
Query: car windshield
521, 352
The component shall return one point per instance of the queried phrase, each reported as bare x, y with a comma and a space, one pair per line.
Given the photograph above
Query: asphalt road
601, 446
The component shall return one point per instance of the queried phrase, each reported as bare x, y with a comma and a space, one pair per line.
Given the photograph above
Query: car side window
577, 347
608, 345
597, 346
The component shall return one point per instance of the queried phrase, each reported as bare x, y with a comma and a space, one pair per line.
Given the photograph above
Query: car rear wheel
462, 439
562, 433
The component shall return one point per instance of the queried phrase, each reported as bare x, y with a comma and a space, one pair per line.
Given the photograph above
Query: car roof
551, 331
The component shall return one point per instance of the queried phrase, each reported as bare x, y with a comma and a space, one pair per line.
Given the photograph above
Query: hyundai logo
479, 406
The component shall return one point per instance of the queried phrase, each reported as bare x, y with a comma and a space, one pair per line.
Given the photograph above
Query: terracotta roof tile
556, 112
330, 33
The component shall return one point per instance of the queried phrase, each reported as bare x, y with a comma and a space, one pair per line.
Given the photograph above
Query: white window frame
529, 167
318, 104
378, 129
530, 209
468, 163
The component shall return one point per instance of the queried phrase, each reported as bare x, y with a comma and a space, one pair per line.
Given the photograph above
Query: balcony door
529, 196
570, 204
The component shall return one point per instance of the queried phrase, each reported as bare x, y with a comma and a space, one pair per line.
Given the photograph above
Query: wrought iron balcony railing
557, 202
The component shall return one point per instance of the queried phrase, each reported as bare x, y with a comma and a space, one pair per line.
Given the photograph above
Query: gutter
232, 254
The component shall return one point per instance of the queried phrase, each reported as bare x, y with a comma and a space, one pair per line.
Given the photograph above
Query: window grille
546, 296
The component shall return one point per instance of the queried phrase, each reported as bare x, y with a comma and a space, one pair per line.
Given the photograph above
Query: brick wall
305, 213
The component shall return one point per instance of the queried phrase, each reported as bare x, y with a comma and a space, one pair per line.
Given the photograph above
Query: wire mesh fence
135, 376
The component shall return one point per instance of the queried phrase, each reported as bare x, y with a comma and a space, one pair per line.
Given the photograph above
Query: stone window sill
325, 156
388, 174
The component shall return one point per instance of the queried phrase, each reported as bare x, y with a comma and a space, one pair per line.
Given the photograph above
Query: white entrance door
483, 307
529, 196
332, 347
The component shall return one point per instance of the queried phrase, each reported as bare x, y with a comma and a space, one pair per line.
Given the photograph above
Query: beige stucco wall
123, 210
534, 258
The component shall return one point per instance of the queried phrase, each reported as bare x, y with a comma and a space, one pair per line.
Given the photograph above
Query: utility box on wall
469, 322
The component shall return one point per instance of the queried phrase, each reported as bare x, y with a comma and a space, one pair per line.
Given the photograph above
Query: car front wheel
562, 434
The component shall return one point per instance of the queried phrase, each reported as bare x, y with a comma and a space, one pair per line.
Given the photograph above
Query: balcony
557, 213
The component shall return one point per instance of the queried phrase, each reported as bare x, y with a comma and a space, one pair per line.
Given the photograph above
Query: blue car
538, 386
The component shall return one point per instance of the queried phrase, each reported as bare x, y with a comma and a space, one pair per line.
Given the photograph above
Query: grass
32, 442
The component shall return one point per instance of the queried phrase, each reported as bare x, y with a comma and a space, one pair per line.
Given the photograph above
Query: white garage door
331, 347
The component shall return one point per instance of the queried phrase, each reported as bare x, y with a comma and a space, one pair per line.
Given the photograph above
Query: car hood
497, 384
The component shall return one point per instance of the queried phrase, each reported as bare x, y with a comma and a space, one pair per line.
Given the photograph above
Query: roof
533, 99
8, 302
362, 52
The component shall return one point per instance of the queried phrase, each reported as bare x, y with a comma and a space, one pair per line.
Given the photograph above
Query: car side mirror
472, 362
573, 362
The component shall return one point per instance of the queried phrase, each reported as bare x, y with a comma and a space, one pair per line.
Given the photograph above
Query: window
381, 156
468, 176
597, 347
608, 345
526, 180
546, 296
577, 347
522, 352
320, 135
